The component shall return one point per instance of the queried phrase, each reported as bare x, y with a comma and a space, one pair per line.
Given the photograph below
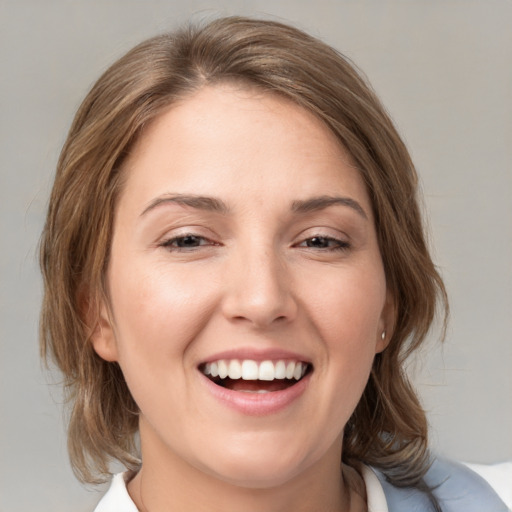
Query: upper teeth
255, 370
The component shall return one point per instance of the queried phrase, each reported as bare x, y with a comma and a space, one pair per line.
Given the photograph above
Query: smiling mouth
251, 376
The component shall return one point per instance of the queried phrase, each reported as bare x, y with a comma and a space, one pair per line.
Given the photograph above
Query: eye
324, 243
184, 242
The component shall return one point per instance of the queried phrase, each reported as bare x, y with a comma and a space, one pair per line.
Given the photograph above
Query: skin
259, 276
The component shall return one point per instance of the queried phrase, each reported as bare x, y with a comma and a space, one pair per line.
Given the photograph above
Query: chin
259, 468
261, 476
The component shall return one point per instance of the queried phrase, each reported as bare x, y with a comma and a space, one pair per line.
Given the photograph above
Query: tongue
257, 385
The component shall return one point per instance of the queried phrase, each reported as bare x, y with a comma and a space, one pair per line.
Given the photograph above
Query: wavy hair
388, 429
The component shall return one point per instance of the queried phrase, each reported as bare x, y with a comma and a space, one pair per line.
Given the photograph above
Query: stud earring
383, 335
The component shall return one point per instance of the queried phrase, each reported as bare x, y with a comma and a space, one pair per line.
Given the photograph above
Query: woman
235, 270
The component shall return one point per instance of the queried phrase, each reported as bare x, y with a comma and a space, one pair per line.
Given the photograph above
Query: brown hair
388, 429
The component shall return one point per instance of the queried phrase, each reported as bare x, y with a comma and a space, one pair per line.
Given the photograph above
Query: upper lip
257, 354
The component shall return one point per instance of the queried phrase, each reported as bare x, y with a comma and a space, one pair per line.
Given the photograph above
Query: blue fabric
456, 487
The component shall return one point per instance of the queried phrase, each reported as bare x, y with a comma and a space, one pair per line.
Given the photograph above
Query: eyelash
335, 243
168, 244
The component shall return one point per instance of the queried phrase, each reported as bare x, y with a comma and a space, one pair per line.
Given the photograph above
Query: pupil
317, 242
188, 241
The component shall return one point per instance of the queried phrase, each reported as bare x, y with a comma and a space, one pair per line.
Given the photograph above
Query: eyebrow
213, 204
210, 204
323, 202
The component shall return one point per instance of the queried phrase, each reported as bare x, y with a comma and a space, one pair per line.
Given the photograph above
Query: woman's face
244, 243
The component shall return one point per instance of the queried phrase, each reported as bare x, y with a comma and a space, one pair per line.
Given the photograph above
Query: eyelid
180, 230
324, 231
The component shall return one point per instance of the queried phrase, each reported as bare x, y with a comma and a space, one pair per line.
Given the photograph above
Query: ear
99, 320
386, 323
103, 337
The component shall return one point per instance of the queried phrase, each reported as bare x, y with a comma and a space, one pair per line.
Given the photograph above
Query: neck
167, 482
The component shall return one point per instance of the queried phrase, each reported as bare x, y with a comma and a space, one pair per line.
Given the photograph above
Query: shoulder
117, 498
457, 488
498, 476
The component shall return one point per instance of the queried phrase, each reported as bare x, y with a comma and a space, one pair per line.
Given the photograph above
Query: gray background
443, 69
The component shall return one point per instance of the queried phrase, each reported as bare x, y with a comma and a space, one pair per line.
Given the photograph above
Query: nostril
259, 291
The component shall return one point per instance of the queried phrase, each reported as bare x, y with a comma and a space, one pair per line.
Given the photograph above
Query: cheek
348, 317
349, 306
158, 312
158, 315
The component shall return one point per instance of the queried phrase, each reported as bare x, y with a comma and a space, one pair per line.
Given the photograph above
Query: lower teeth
258, 391
248, 386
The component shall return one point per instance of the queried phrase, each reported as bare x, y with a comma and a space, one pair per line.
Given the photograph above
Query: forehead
230, 141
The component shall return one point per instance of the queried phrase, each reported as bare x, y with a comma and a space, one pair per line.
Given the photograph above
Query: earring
383, 335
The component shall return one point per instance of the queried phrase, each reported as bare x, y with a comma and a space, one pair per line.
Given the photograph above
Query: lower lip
257, 404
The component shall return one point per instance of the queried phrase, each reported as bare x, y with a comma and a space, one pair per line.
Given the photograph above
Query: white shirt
499, 477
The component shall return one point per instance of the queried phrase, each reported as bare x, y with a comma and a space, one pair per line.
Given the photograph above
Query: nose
259, 289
